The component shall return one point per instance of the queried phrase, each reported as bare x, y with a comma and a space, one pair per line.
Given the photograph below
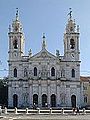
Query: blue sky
50, 17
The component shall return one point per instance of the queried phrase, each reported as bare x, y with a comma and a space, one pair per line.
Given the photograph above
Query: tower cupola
71, 39
16, 38
16, 25
71, 25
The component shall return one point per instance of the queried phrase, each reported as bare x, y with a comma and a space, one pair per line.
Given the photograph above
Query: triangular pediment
43, 54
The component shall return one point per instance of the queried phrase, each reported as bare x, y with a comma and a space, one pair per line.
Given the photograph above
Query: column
39, 95
48, 87
30, 94
58, 96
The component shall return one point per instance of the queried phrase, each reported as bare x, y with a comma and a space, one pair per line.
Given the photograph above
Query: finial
17, 14
43, 35
44, 42
30, 53
74, 23
70, 13
78, 28
57, 53
9, 28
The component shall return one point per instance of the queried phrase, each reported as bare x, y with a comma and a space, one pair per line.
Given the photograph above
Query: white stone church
44, 79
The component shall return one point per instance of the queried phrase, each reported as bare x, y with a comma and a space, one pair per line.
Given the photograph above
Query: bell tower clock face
72, 55
15, 54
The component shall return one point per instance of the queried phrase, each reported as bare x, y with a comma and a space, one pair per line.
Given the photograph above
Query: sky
49, 17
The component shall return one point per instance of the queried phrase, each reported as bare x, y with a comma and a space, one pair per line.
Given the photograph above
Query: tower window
71, 28
15, 44
73, 73
52, 71
35, 71
15, 72
72, 44
16, 28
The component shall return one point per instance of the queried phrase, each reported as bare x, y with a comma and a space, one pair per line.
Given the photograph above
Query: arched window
73, 73
52, 71
35, 71
72, 44
25, 72
15, 44
15, 72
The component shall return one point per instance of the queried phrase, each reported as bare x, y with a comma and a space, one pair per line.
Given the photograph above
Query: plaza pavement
44, 117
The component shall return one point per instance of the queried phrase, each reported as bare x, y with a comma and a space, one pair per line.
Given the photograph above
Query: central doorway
53, 100
44, 100
15, 100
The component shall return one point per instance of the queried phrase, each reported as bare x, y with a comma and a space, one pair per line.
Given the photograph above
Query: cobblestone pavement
44, 117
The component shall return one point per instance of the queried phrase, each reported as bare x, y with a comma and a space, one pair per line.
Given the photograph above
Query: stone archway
44, 100
35, 99
15, 100
53, 100
73, 101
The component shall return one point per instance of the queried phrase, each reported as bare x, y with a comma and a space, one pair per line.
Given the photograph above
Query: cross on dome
17, 13
70, 13
43, 42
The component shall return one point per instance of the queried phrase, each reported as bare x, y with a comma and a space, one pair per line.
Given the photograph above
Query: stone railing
43, 111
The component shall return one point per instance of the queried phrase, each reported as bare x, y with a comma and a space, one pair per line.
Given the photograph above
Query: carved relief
43, 54
44, 72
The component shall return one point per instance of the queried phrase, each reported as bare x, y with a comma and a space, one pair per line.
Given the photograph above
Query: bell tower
16, 39
71, 40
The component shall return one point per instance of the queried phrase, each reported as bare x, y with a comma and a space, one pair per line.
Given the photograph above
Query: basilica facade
44, 79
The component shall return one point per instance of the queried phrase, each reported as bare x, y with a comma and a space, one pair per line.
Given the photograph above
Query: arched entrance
73, 101
53, 100
15, 100
44, 100
35, 99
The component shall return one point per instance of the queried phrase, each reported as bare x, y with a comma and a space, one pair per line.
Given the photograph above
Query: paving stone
46, 117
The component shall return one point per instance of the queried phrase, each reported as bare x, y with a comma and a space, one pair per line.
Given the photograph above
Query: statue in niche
44, 72
30, 73
25, 96
39, 74
62, 73
48, 74
58, 74
62, 95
